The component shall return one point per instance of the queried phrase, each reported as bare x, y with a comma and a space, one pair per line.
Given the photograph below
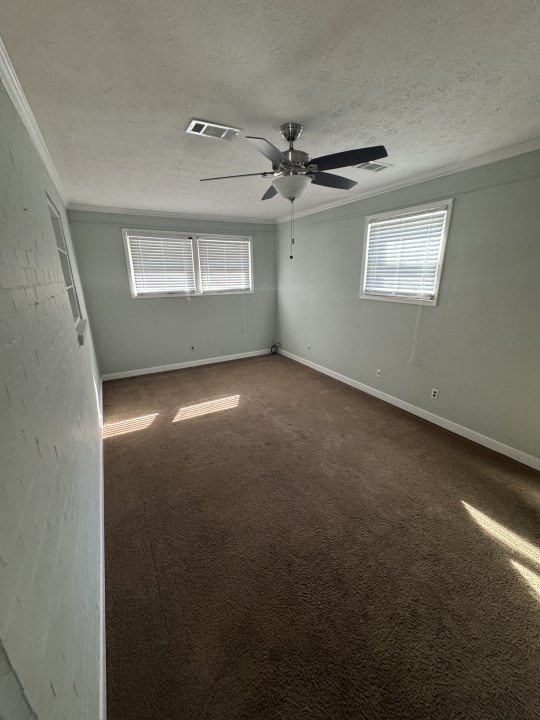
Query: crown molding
13, 87
78, 207
469, 164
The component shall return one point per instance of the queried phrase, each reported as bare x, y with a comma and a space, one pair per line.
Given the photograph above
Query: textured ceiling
114, 83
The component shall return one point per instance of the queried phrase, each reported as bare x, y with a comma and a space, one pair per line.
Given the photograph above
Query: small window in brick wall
65, 262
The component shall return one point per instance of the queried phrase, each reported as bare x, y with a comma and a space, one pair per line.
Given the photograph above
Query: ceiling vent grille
372, 166
212, 130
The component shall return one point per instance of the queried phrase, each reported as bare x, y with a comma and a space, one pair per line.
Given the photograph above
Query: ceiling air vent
372, 166
212, 130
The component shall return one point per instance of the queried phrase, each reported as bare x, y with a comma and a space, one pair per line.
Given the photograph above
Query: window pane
58, 232
65, 268
64, 261
225, 265
403, 254
74, 302
161, 264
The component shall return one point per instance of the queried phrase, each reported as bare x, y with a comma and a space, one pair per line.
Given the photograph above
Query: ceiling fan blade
333, 181
267, 149
269, 193
349, 157
226, 177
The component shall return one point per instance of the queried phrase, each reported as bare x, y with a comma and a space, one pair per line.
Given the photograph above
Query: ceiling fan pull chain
292, 227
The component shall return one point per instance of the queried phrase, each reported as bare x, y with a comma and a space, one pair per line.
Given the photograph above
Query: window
225, 264
404, 253
161, 264
164, 264
64, 261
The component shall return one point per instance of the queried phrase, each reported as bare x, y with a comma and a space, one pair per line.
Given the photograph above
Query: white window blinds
225, 264
404, 254
161, 265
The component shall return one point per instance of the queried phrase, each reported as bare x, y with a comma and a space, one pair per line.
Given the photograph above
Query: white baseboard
180, 366
477, 437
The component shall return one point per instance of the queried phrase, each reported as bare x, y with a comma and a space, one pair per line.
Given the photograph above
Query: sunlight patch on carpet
212, 406
532, 578
127, 426
514, 542
511, 539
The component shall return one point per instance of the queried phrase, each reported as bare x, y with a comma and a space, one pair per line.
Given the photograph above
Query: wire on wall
292, 228
412, 359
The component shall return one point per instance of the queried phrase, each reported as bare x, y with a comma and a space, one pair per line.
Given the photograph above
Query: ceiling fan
294, 170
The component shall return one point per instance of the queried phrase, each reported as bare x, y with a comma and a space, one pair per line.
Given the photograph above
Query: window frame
193, 237
64, 250
403, 212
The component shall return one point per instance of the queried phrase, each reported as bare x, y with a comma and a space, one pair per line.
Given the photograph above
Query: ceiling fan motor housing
297, 161
294, 170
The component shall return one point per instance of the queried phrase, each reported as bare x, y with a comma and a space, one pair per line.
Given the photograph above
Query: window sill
398, 299
81, 328
151, 296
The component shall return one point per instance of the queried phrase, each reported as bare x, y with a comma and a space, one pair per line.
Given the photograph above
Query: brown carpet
307, 554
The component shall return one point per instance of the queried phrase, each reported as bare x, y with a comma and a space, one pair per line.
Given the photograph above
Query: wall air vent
373, 166
212, 130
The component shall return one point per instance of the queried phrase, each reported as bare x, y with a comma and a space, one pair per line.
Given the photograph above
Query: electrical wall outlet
309, 347
434, 393
192, 348
378, 372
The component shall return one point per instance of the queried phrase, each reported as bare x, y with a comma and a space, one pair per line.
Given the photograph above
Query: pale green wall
51, 611
480, 346
132, 334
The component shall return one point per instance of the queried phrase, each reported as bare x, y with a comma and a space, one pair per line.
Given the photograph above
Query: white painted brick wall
50, 491
13, 703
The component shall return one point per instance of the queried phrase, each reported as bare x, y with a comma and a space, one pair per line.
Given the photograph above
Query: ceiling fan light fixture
293, 170
291, 187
